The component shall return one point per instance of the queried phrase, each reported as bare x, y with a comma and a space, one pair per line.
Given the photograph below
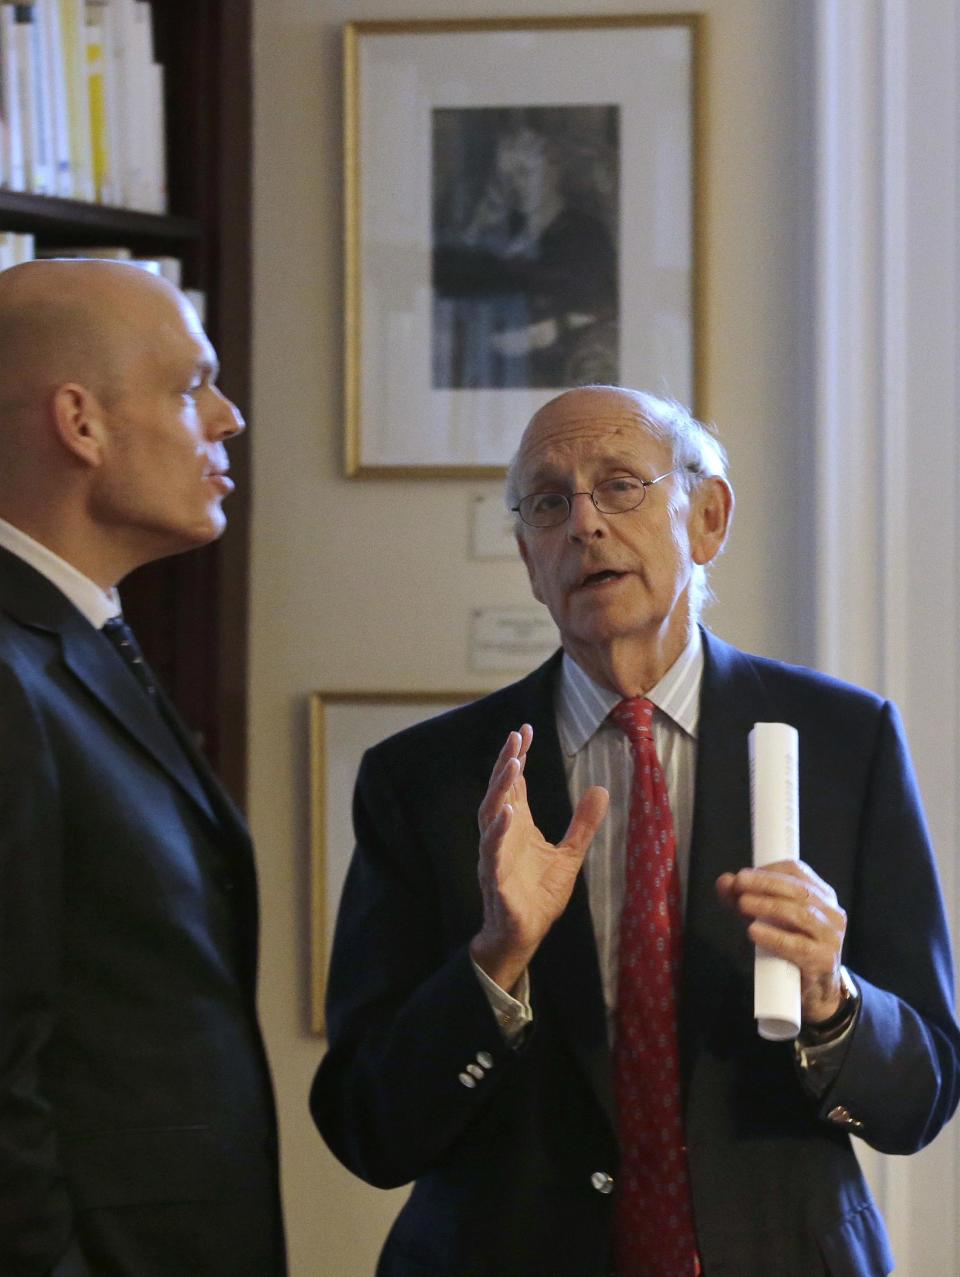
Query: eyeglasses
612, 496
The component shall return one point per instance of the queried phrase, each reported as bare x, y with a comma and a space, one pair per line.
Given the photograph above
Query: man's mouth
600, 577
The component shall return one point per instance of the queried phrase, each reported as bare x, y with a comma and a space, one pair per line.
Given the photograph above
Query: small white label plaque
511, 638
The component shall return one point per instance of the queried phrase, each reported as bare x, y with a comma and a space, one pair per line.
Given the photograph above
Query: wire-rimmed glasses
618, 495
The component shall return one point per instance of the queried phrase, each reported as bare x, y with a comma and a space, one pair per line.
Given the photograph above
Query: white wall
367, 584
888, 475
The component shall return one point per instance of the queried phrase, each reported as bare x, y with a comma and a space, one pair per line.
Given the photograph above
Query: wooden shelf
71, 221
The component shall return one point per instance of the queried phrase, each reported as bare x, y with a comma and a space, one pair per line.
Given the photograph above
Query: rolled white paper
776, 836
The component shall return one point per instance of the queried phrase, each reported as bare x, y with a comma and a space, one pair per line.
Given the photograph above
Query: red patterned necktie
654, 1233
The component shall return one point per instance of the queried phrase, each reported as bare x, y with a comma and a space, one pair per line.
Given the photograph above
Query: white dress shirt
96, 604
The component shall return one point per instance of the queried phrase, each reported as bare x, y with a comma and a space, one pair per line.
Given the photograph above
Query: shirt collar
87, 597
583, 705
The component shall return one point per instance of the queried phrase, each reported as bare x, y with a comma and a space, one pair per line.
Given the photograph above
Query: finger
801, 870
491, 839
800, 873
725, 890
814, 960
511, 749
526, 740
775, 880
501, 783
802, 916
590, 811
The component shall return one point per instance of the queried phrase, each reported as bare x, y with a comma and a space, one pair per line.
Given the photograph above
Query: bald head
111, 423
70, 321
695, 449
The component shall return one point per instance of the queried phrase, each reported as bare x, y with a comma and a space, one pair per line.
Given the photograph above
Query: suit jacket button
602, 1182
843, 1117
467, 1081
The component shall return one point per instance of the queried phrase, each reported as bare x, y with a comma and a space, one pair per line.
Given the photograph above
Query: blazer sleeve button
602, 1182
843, 1117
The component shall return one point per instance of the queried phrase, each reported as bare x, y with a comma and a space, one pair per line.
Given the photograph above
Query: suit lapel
566, 969
732, 699
33, 601
89, 658
217, 796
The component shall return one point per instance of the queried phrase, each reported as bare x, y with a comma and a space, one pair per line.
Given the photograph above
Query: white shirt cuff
513, 1012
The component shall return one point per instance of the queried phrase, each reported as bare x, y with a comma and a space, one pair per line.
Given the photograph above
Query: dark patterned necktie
654, 1232
121, 638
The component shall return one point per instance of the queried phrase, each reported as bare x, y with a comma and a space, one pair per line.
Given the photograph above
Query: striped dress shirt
596, 752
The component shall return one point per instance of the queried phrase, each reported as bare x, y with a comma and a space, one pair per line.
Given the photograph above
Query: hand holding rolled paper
793, 916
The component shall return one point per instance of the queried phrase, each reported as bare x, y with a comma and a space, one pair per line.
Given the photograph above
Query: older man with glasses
566, 1062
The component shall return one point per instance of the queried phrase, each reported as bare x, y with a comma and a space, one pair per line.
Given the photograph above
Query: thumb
591, 809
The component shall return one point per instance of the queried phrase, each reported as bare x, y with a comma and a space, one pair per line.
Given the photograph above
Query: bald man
547, 1021
137, 1124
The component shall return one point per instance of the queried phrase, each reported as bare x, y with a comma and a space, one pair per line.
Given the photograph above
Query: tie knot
634, 716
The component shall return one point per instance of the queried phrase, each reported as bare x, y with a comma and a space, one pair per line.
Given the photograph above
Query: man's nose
223, 418
585, 520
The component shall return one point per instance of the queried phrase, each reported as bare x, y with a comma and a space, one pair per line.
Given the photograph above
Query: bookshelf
190, 611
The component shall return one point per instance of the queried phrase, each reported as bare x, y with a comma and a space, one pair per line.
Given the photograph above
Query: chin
200, 534
213, 526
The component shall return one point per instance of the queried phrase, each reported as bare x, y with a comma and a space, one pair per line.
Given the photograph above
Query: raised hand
525, 881
794, 914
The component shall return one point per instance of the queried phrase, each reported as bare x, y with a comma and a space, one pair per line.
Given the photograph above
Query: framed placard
342, 726
522, 216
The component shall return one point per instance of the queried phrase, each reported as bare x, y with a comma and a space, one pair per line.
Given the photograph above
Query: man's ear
710, 519
528, 564
78, 419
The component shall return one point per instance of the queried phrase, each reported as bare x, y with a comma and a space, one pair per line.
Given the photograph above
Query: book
101, 92
14, 249
12, 162
77, 97
154, 122
47, 83
36, 168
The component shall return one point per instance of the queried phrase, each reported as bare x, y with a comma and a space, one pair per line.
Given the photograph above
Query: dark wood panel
191, 611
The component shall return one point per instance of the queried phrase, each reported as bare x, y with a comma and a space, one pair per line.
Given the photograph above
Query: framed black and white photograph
342, 726
522, 216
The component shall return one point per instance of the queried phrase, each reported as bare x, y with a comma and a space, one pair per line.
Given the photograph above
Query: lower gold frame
342, 726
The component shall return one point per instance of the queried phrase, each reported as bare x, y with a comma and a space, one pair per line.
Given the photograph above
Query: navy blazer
137, 1126
506, 1171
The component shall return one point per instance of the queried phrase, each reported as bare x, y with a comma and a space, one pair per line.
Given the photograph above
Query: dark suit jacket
137, 1127
504, 1170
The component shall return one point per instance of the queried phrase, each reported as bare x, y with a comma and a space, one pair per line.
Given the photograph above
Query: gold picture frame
501, 246
342, 726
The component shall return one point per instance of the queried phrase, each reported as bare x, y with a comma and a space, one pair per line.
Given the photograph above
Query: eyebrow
618, 461
209, 367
